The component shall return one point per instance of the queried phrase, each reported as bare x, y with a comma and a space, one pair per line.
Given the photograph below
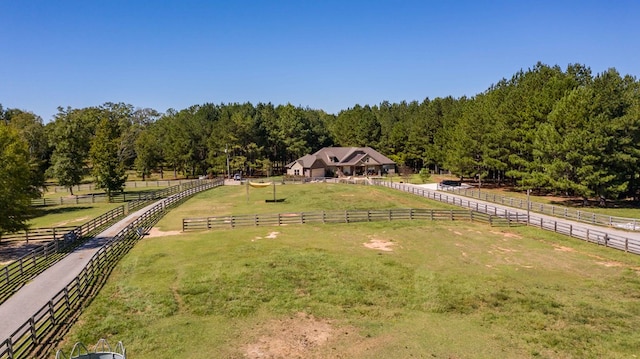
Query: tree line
546, 128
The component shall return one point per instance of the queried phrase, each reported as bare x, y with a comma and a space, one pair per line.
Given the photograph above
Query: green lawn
69, 215
445, 290
298, 198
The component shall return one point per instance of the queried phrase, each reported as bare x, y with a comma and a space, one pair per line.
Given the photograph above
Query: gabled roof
341, 156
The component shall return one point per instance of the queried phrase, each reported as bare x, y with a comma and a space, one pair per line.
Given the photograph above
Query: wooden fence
117, 198
601, 237
632, 224
40, 334
128, 185
17, 273
348, 216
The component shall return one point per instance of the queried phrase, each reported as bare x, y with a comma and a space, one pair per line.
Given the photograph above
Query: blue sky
321, 54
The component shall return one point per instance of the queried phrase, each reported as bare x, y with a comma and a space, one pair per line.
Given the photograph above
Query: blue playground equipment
101, 350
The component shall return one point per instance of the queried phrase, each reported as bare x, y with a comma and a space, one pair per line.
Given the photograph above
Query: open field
299, 198
69, 215
366, 290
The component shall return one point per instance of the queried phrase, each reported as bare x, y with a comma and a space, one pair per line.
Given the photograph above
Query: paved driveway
17, 310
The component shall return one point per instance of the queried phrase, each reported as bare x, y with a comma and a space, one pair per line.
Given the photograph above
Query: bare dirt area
155, 232
71, 221
299, 336
379, 244
12, 250
271, 235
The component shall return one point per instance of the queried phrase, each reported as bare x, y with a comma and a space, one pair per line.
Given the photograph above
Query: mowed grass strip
443, 290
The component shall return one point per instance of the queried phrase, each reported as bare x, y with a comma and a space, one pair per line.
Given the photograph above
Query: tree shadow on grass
43, 211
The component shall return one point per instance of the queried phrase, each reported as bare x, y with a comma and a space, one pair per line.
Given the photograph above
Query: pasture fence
601, 237
42, 332
118, 197
17, 273
347, 216
128, 185
59, 241
632, 224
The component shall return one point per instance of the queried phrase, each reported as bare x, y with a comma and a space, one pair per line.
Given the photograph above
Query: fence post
431, 214
32, 329
571, 230
606, 239
490, 221
52, 312
626, 244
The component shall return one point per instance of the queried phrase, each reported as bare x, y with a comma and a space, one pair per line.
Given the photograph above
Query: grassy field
69, 215
368, 290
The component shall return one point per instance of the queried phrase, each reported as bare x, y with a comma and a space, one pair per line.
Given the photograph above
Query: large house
342, 161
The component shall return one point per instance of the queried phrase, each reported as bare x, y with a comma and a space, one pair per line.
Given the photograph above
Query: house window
296, 172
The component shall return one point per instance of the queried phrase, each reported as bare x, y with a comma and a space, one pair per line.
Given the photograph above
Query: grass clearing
69, 215
228, 200
445, 290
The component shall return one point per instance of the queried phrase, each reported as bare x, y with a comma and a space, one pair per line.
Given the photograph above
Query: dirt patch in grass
299, 336
75, 220
271, 235
380, 244
155, 232
507, 234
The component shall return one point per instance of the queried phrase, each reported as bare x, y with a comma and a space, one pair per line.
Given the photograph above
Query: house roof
341, 156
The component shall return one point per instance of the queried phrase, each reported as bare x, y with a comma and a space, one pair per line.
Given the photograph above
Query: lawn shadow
43, 211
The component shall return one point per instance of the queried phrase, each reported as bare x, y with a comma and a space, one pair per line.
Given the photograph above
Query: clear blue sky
323, 54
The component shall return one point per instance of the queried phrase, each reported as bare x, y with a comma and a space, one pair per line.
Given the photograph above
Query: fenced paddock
128, 185
119, 197
632, 224
348, 216
14, 275
41, 332
601, 237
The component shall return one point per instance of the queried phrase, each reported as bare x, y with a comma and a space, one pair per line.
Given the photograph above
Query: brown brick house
342, 161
